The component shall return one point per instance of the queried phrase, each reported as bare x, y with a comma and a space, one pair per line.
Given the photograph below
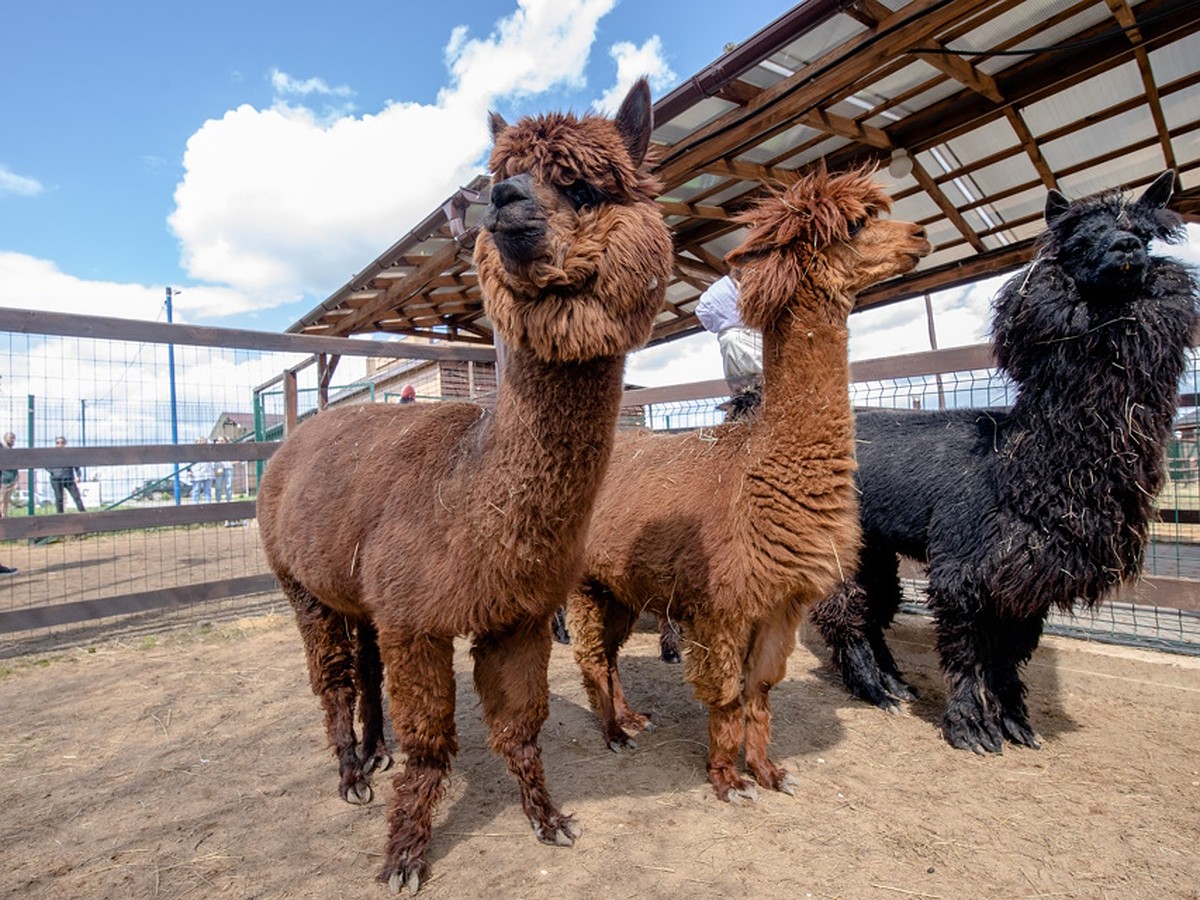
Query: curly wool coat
732, 531
1044, 505
392, 529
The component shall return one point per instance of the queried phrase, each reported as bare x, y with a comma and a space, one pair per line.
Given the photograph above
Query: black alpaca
1045, 505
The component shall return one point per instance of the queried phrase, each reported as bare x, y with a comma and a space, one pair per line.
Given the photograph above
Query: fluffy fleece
1045, 505
392, 529
731, 531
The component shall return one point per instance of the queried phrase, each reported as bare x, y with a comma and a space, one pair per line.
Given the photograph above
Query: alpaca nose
1126, 243
512, 190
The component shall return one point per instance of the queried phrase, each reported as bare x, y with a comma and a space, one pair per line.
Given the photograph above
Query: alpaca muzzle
516, 220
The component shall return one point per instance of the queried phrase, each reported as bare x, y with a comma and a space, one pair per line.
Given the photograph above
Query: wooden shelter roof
992, 102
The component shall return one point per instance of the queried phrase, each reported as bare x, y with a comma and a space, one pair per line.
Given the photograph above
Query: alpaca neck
543, 452
805, 381
1082, 449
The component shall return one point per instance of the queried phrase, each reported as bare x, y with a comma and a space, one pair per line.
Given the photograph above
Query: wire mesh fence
166, 432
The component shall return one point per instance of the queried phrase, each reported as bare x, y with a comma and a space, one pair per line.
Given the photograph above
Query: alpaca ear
634, 120
1159, 192
497, 124
1056, 205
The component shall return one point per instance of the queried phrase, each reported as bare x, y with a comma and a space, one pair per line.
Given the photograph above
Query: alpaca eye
856, 226
583, 195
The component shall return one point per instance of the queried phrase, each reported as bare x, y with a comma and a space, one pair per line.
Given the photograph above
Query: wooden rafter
1124, 15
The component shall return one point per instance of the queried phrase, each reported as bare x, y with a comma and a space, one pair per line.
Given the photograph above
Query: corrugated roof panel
1088, 143
915, 208
780, 144
949, 255
816, 42
1020, 19
1019, 206
1175, 61
812, 154
1182, 108
1005, 174
975, 145
1113, 173
735, 190
689, 189
1084, 99
935, 94
722, 244
691, 119
901, 81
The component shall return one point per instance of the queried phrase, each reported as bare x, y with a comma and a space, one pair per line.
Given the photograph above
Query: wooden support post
291, 401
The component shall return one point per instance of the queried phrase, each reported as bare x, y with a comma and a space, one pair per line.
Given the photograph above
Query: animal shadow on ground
480, 792
912, 639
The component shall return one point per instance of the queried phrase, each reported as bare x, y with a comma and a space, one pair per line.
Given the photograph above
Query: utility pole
171, 380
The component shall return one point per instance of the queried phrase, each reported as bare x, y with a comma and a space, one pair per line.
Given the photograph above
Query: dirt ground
192, 764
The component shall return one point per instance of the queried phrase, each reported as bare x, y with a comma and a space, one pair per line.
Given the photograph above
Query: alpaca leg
765, 666
601, 625
971, 720
420, 679
880, 579
331, 673
373, 752
1013, 645
559, 625
714, 668
511, 680
670, 640
852, 620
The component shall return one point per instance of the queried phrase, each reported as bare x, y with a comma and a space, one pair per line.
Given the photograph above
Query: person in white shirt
741, 347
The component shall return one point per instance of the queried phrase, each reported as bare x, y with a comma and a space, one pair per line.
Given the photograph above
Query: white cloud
277, 203
284, 84
696, 357
632, 63
30, 283
22, 185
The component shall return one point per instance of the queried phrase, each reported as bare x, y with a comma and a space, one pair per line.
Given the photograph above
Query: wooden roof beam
949, 210
396, 294
692, 210
1124, 15
776, 107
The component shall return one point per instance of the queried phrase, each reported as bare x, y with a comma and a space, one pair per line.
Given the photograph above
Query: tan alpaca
733, 530
392, 529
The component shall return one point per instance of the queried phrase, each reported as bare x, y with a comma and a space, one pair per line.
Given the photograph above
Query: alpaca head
814, 246
1101, 242
575, 257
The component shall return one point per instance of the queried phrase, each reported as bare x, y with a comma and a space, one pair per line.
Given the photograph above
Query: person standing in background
8, 480
65, 478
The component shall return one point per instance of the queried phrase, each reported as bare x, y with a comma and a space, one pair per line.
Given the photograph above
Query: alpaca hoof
746, 792
671, 656
891, 707
1020, 732
406, 875
563, 834
897, 688
359, 794
377, 762
788, 785
398, 882
620, 746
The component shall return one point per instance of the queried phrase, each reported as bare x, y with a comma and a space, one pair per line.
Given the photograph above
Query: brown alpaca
733, 530
392, 529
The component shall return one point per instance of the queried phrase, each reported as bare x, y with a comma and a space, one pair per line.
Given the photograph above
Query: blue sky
257, 154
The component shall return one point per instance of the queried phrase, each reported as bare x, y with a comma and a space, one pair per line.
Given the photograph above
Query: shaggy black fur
1045, 505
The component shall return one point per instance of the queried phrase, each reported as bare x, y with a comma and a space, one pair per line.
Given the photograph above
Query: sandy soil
192, 764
